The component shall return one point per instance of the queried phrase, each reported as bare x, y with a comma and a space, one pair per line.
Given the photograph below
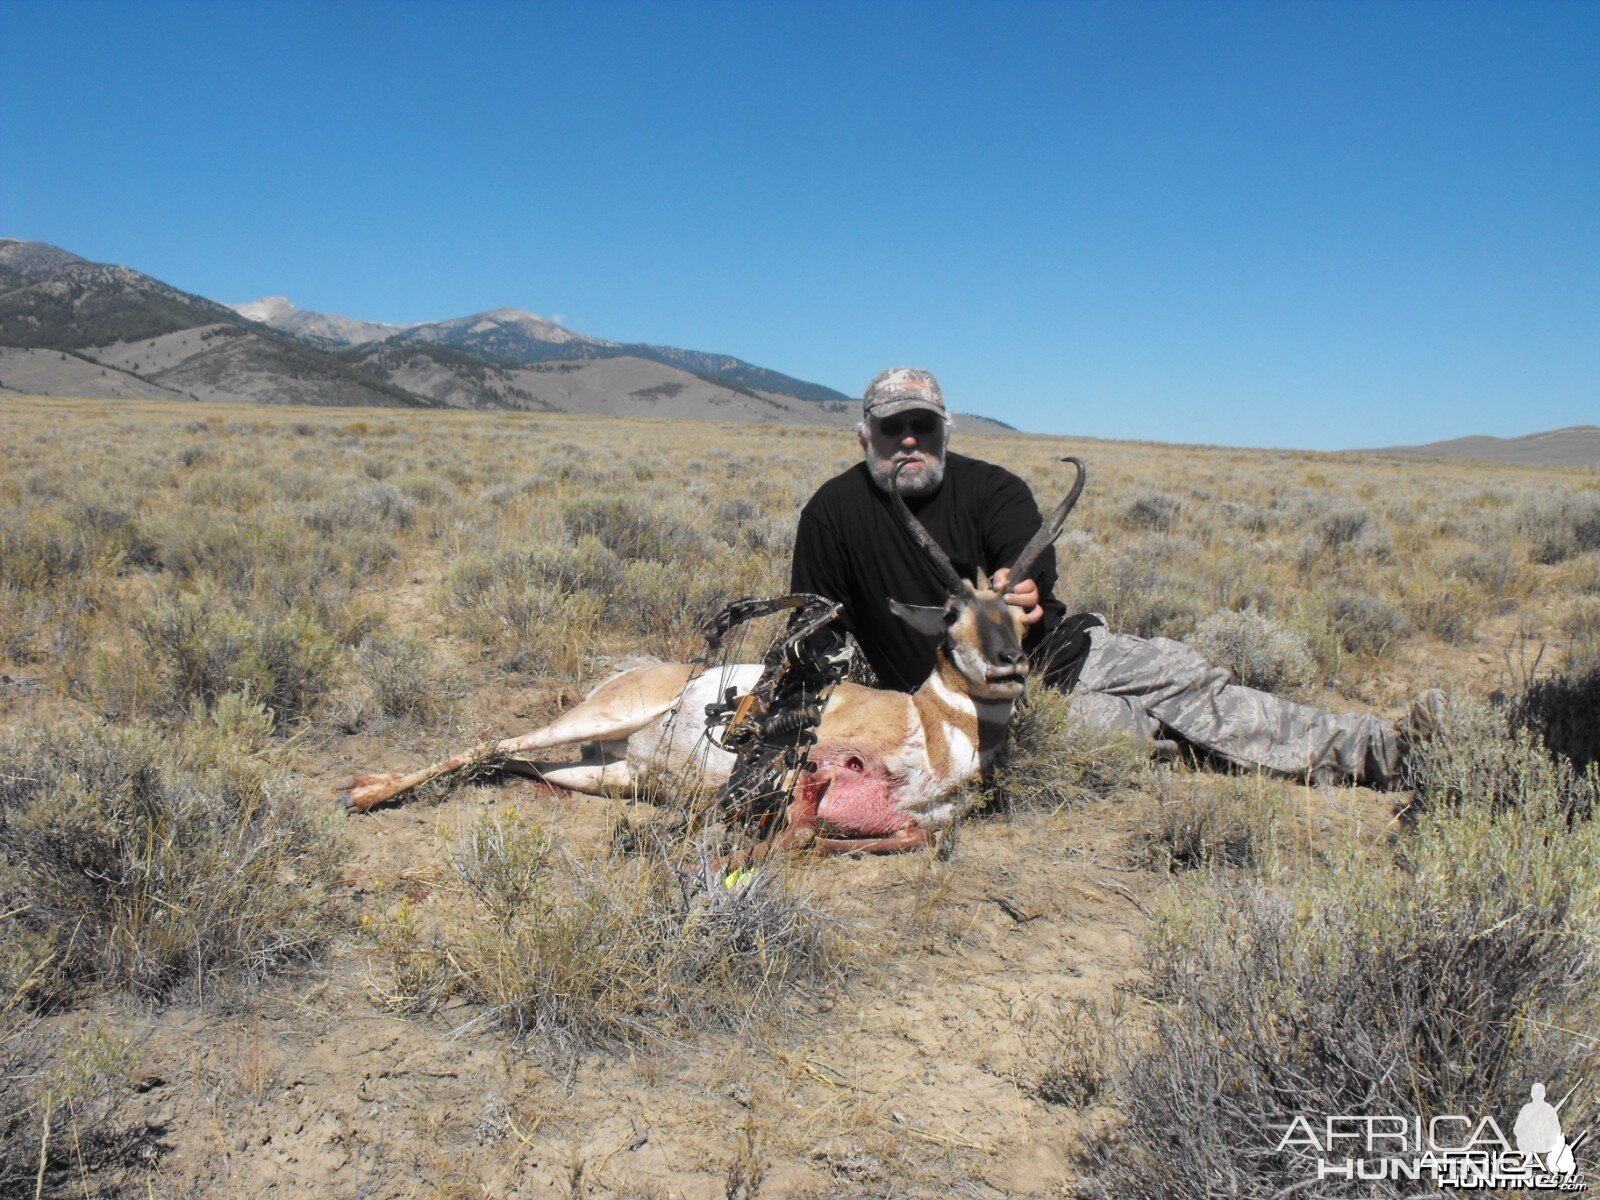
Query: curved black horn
941, 560
1051, 529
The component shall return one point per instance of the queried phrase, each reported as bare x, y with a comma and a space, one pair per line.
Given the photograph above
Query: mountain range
73, 327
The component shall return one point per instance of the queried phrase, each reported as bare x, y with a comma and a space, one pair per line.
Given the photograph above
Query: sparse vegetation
1212, 822
208, 614
1053, 762
1365, 624
1071, 1055
130, 862
1433, 983
407, 681
1258, 651
1559, 525
59, 1097
592, 951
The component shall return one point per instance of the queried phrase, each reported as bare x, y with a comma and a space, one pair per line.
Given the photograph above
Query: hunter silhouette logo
1538, 1133
1454, 1150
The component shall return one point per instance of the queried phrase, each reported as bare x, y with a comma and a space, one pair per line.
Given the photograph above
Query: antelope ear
982, 582
930, 622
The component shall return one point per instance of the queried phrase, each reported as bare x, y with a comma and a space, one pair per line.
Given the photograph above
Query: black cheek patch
997, 633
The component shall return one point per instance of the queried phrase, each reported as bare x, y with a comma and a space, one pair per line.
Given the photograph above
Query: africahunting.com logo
1454, 1150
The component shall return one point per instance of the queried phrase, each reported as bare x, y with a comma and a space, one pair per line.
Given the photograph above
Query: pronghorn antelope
887, 764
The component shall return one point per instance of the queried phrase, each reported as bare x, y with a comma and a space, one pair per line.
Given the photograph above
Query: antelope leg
612, 711
901, 840
368, 790
593, 775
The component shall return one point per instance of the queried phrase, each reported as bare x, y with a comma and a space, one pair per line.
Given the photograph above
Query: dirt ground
910, 1080
913, 1079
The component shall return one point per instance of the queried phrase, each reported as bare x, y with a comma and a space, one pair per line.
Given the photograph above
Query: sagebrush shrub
373, 507
1496, 572
1435, 985
1137, 596
191, 651
1070, 1055
1496, 757
1155, 510
1211, 822
1343, 532
53, 1081
1560, 524
407, 680
132, 859
537, 610
630, 529
1446, 606
593, 951
1366, 624
1259, 651
39, 552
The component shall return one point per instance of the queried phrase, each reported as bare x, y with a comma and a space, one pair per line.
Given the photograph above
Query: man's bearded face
917, 436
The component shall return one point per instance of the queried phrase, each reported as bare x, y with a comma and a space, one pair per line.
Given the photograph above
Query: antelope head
979, 634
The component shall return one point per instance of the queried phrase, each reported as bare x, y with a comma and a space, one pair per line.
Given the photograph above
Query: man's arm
818, 566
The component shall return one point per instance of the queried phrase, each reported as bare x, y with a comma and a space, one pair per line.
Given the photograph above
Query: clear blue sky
1300, 224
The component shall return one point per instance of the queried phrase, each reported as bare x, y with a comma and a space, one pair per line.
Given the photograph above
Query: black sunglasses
922, 425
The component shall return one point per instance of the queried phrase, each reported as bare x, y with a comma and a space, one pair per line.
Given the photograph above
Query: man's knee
1112, 714
1157, 669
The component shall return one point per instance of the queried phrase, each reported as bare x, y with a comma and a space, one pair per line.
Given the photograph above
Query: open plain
217, 983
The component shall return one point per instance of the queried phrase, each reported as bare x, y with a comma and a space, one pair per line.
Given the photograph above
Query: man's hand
1025, 597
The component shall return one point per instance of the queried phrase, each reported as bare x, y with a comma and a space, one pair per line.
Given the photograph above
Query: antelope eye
951, 616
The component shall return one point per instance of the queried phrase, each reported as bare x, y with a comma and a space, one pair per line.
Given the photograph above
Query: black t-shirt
852, 547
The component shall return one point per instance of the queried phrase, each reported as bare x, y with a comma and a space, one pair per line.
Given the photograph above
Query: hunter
851, 547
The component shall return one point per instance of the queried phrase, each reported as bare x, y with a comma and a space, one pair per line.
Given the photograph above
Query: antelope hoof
361, 792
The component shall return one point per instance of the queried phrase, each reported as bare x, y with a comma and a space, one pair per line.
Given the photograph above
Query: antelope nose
1012, 658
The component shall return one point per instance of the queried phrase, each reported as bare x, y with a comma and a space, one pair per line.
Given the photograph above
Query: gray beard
881, 469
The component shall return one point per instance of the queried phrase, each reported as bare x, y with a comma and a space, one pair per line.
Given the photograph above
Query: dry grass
1436, 983
1071, 1054
131, 861
587, 951
1052, 762
168, 570
1227, 821
59, 1098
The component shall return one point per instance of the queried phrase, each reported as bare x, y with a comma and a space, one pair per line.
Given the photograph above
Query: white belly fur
677, 740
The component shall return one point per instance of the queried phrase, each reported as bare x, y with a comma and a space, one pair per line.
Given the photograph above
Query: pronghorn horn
1050, 530
941, 560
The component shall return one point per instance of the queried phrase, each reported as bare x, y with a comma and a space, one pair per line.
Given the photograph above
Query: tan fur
618, 707
931, 741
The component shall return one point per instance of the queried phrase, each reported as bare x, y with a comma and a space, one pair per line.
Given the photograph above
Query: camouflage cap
899, 389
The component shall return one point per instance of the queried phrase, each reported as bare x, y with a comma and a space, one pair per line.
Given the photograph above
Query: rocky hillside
118, 332
73, 327
321, 329
516, 337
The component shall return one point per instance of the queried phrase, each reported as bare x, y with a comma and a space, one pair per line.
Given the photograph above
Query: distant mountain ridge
71, 327
322, 329
515, 336
50, 298
1573, 446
